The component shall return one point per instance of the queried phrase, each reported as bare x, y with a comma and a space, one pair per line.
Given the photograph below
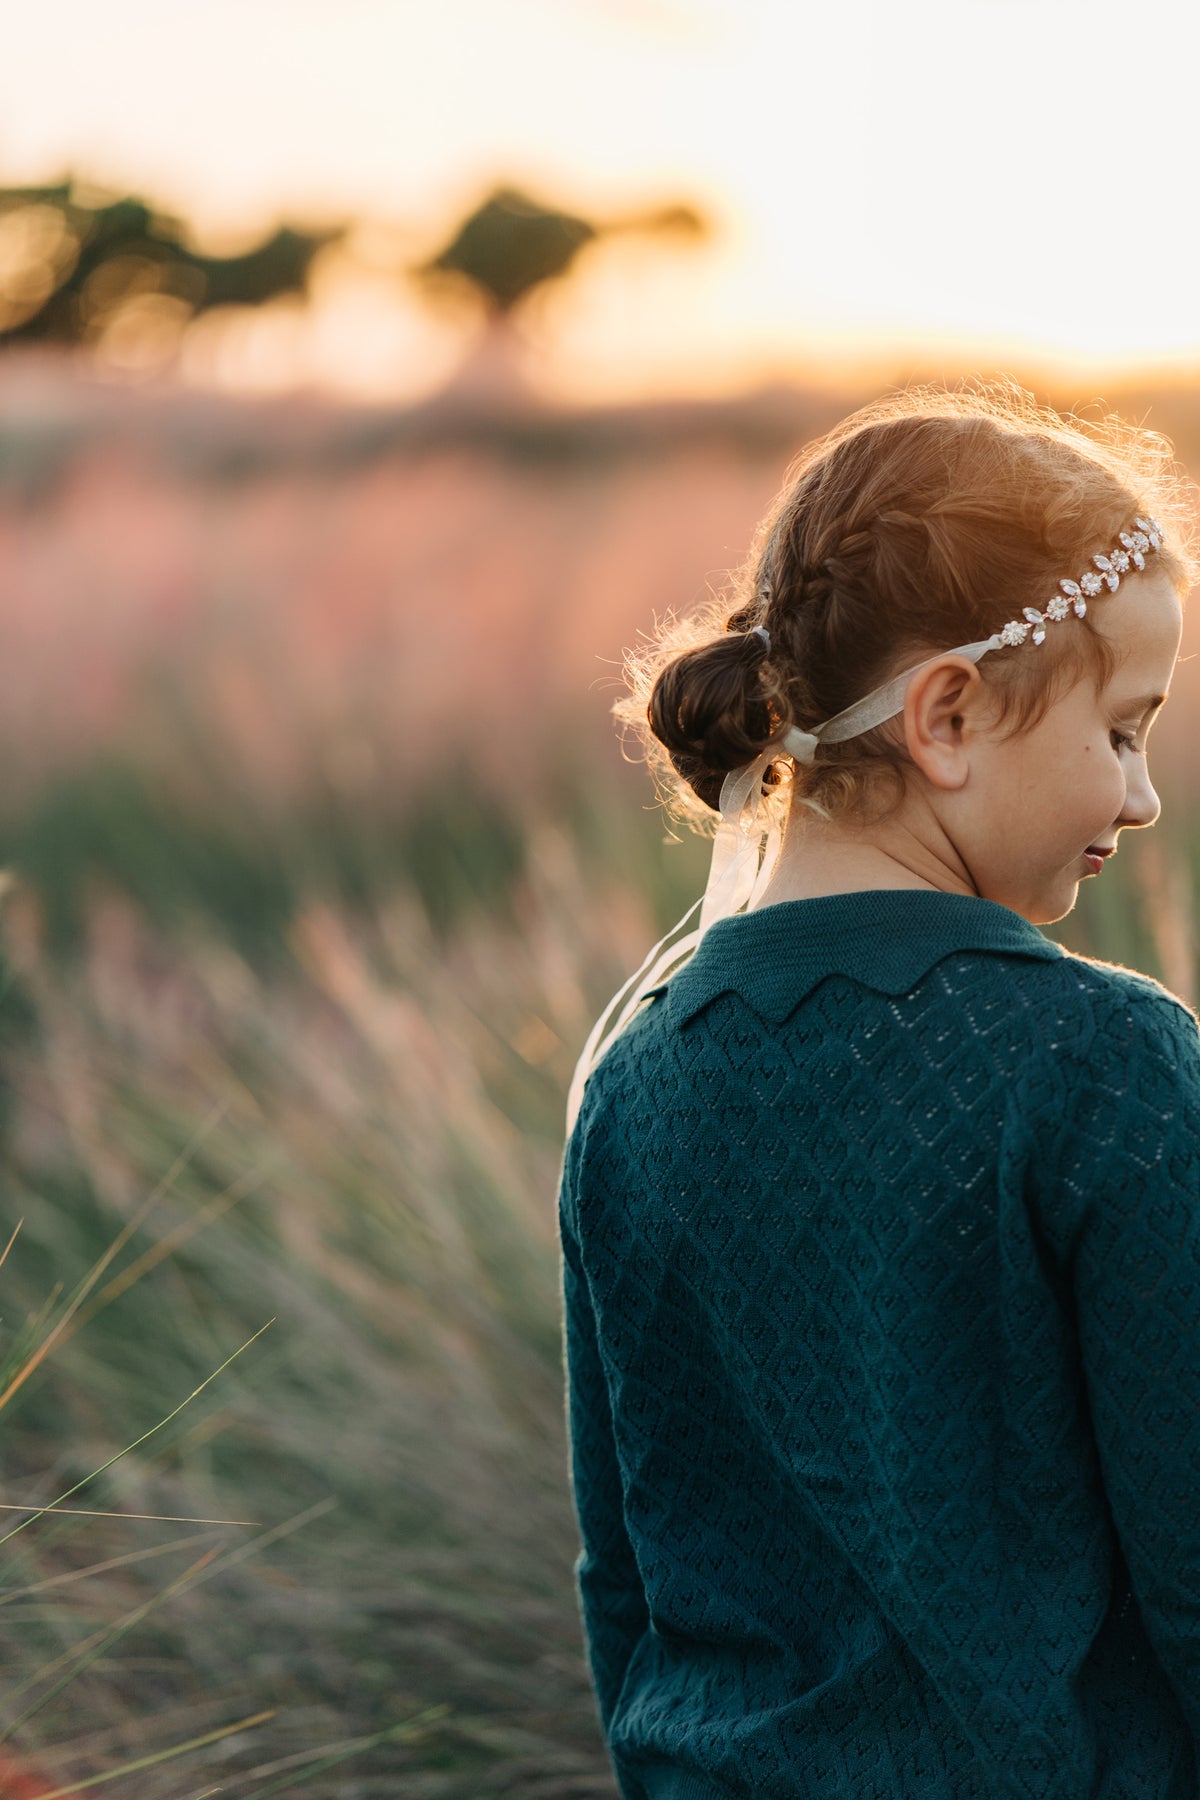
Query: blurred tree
83, 266
73, 259
511, 244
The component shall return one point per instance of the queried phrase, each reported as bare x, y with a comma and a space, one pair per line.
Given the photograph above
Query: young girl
880, 1216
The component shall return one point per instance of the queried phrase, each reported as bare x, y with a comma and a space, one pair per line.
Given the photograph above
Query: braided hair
925, 520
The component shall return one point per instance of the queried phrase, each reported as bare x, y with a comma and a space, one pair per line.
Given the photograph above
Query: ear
942, 719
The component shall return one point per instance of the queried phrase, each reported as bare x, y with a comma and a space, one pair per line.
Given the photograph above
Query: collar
885, 938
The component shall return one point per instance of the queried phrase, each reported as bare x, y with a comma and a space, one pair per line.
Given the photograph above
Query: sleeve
609, 1588
1133, 1143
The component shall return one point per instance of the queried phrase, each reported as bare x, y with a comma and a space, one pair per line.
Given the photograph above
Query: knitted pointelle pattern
881, 1282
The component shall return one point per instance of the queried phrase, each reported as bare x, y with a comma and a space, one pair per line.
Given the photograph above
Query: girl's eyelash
1122, 741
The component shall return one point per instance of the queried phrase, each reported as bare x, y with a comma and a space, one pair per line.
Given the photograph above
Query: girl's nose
1142, 805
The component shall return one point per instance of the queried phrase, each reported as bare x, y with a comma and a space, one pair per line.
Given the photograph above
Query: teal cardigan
880, 1233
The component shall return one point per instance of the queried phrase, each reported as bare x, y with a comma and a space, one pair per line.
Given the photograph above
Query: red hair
928, 519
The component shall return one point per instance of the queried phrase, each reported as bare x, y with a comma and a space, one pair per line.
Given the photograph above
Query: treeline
75, 259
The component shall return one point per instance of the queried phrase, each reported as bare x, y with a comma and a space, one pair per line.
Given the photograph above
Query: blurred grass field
319, 858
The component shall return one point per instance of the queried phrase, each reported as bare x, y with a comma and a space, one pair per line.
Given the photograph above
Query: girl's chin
1058, 903
1047, 906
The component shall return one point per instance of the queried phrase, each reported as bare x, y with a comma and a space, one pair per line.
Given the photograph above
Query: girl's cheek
1116, 787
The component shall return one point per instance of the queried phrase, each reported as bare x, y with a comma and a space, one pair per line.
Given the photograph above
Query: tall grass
359, 1143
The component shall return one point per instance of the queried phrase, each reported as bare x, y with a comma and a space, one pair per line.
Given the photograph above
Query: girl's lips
1094, 862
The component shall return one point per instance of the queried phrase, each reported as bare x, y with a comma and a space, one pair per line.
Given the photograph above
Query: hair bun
707, 707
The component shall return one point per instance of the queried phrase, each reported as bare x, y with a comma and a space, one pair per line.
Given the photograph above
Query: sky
973, 180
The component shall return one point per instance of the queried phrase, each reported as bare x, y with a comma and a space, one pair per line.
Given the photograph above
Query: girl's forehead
1144, 622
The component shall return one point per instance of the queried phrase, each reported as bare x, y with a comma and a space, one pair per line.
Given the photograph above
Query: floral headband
1132, 548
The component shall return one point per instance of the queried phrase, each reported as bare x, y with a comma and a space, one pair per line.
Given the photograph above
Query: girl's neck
820, 857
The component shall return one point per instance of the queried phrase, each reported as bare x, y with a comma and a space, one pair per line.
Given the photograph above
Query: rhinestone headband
1132, 548
1129, 553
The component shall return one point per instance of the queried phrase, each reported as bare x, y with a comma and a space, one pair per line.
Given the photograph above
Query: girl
880, 1216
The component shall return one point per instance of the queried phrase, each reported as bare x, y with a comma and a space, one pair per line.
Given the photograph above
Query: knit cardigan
880, 1231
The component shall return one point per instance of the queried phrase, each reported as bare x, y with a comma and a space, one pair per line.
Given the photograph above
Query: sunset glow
950, 182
